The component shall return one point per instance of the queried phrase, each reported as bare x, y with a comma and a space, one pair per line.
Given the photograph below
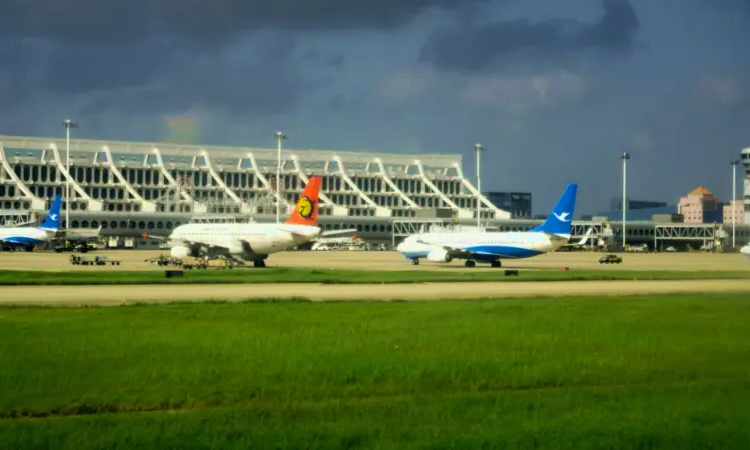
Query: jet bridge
17, 218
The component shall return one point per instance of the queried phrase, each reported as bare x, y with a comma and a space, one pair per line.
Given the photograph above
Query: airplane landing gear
470, 263
259, 263
496, 263
415, 262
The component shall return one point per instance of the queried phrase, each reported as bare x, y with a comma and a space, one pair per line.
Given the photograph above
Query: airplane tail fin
560, 221
306, 211
52, 221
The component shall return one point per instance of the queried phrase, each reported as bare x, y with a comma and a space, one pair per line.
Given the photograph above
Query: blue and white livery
494, 246
28, 237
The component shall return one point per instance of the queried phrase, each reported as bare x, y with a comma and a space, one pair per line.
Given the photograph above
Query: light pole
279, 137
625, 157
478, 149
68, 124
734, 164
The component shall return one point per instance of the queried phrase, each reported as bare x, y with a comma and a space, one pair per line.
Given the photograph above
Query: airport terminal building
130, 188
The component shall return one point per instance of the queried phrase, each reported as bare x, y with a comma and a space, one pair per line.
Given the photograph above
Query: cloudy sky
554, 90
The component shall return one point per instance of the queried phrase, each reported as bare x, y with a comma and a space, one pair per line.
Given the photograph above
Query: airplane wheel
496, 263
259, 263
470, 264
415, 262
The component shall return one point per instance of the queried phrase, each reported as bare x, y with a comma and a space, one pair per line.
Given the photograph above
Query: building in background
517, 203
701, 206
635, 215
734, 212
616, 204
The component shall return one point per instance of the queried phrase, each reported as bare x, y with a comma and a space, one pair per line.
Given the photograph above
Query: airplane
746, 250
28, 237
250, 241
583, 240
491, 247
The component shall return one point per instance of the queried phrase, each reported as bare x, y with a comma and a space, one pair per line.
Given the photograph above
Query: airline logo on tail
306, 212
52, 222
559, 222
305, 207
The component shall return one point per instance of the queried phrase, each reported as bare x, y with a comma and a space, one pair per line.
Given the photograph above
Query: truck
610, 259
97, 261
193, 262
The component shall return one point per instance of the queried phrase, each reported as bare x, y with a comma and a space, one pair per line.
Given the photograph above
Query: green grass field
270, 275
630, 372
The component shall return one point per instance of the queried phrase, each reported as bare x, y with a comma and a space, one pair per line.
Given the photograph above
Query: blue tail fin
52, 222
560, 221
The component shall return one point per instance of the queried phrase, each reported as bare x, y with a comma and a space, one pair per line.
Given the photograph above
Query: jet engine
439, 255
239, 247
179, 251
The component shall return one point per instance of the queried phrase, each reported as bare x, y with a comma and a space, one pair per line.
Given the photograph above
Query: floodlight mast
279, 137
478, 149
68, 124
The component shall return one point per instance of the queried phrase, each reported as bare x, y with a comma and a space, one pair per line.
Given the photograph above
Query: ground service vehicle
610, 259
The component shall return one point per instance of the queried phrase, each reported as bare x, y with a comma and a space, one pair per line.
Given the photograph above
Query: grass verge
106, 277
665, 371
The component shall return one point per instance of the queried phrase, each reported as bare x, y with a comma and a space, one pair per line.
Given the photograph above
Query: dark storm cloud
481, 46
204, 21
257, 75
263, 89
332, 59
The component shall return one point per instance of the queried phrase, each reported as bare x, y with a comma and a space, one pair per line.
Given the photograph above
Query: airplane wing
334, 232
583, 240
88, 238
192, 245
455, 251
183, 242
145, 235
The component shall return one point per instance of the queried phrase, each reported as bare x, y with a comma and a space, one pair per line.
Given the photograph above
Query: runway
360, 260
112, 296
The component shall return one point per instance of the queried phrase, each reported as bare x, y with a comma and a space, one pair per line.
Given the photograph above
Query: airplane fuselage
484, 246
249, 242
27, 236
746, 250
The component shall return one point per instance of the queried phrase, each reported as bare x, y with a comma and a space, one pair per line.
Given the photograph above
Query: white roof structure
116, 176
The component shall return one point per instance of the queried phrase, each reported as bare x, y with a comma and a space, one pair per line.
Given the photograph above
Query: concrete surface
109, 296
134, 260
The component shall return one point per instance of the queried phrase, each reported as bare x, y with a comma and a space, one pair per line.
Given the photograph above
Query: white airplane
746, 250
28, 237
583, 240
491, 247
251, 241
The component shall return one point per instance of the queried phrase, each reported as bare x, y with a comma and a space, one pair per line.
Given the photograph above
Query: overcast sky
554, 90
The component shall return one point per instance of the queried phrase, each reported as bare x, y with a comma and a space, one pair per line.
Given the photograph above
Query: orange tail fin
306, 211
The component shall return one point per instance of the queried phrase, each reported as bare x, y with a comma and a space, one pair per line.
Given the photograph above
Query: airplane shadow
481, 266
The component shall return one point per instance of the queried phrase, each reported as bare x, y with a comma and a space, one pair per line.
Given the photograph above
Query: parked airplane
746, 250
583, 240
28, 237
491, 247
251, 241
